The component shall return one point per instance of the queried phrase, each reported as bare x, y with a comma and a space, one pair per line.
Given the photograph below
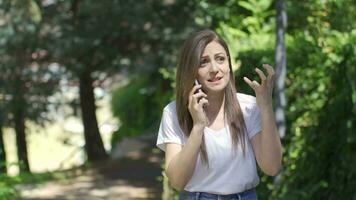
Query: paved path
134, 176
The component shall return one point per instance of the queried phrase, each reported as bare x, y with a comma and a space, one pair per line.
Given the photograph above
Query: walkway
132, 177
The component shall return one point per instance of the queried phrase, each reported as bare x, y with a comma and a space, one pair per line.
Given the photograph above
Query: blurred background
83, 84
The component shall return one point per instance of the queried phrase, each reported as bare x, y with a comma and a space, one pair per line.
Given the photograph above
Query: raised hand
264, 89
197, 101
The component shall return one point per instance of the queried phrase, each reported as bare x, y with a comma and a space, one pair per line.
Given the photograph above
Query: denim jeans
246, 195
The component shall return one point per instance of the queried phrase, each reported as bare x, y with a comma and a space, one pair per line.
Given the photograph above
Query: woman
212, 135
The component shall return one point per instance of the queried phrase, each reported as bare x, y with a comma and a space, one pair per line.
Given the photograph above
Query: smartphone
197, 83
199, 90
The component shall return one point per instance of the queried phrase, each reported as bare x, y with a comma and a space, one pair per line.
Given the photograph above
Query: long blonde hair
187, 69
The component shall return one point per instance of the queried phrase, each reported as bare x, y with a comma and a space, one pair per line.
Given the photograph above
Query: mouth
214, 79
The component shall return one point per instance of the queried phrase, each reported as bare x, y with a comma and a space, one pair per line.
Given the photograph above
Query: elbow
273, 171
177, 186
176, 182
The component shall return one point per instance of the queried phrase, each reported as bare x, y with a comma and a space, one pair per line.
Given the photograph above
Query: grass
8, 184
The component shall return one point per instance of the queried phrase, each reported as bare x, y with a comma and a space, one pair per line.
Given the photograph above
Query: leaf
35, 12
247, 5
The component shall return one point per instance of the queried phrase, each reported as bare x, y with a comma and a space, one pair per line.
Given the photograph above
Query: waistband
185, 194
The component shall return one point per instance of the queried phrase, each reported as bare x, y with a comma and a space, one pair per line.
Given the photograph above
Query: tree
281, 68
26, 80
3, 168
98, 39
3, 111
280, 60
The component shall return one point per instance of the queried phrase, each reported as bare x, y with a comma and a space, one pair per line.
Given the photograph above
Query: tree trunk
93, 144
21, 140
3, 169
280, 59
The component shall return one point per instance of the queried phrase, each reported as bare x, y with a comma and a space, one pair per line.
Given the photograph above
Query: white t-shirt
228, 172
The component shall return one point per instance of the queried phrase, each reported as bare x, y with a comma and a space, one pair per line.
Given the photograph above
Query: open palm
264, 89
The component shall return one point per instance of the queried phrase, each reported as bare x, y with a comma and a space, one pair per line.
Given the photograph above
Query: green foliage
321, 111
6, 191
319, 159
138, 105
161, 28
25, 80
8, 183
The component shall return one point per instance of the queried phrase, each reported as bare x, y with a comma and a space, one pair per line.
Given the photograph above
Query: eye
203, 62
220, 59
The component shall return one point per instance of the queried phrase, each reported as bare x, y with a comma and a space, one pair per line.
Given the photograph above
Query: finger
194, 89
191, 93
270, 70
250, 83
261, 75
203, 102
199, 95
255, 83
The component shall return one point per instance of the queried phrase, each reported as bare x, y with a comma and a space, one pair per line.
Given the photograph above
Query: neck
216, 105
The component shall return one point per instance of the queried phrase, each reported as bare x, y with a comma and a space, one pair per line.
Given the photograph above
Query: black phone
197, 83
199, 90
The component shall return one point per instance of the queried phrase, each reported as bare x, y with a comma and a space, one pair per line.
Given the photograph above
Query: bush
7, 183
6, 191
138, 105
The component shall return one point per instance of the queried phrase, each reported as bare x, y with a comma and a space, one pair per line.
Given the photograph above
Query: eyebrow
215, 54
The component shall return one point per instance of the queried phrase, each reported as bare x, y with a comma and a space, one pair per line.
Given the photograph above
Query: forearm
271, 147
181, 167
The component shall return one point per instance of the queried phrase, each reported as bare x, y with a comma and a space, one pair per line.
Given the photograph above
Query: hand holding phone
199, 90
197, 83
203, 99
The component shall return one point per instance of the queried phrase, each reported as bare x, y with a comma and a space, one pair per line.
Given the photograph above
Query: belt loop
197, 194
239, 196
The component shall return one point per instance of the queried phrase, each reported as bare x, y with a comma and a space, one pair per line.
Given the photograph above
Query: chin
216, 88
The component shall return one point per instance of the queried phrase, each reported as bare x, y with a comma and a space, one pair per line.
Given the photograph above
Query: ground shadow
135, 176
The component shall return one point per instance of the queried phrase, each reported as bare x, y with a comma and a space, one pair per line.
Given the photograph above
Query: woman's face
214, 72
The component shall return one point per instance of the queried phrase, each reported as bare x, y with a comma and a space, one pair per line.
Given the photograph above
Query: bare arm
266, 145
181, 160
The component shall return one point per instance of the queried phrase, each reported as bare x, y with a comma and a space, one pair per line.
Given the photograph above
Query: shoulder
170, 119
246, 100
170, 107
247, 104
251, 113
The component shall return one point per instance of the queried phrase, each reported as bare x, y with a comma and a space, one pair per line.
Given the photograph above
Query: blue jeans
246, 195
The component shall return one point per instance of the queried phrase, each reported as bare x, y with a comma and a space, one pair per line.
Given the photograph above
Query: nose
213, 67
